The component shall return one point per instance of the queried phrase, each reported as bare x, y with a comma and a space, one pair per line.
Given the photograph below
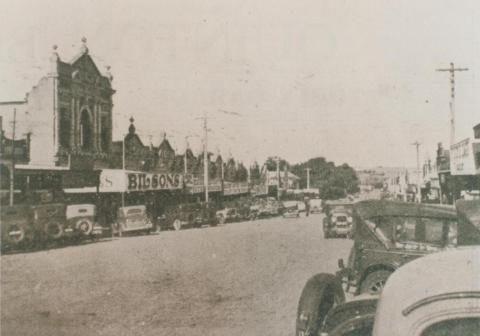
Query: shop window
105, 134
86, 131
64, 128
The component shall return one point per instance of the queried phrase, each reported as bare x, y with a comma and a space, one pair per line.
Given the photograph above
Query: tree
333, 182
255, 172
241, 174
271, 163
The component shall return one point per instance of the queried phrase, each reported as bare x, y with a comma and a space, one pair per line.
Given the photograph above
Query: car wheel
177, 225
15, 234
53, 230
374, 282
321, 293
84, 226
221, 219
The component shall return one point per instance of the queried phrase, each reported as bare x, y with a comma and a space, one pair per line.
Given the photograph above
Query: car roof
378, 208
430, 287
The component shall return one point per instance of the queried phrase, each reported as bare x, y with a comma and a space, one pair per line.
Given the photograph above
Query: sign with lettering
462, 157
117, 180
235, 188
196, 186
147, 181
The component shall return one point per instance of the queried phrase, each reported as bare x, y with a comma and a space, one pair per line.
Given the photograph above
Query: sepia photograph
240, 168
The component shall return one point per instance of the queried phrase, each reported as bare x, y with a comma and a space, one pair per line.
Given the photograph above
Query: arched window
86, 131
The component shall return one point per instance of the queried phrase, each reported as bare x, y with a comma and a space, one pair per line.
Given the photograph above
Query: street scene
239, 168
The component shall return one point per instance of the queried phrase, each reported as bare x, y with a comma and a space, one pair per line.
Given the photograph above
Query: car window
431, 230
454, 327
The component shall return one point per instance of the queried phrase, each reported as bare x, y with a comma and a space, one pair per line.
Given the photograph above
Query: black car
189, 215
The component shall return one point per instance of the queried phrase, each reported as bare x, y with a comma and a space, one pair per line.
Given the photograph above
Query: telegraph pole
205, 157
308, 177
417, 145
185, 158
277, 159
12, 170
452, 70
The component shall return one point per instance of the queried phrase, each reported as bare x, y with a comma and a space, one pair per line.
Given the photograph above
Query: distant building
287, 181
68, 113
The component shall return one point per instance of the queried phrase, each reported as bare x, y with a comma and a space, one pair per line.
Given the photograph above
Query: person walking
307, 206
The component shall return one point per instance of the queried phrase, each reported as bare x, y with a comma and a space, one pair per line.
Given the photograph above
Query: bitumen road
235, 279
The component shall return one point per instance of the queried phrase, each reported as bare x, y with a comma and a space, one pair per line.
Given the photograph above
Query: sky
352, 81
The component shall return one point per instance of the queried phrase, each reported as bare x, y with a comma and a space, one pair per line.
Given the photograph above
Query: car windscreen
412, 229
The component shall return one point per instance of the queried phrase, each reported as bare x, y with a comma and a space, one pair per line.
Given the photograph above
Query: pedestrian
307, 206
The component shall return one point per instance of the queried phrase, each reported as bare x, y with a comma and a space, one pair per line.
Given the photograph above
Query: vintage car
189, 215
338, 220
228, 215
16, 224
413, 303
132, 218
315, 206
389, 234
49, 221
291, 209
265, 208
82, 218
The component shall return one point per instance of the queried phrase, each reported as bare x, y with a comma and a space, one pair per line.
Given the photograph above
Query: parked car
228, 215
189, 215
413, 302
50, 223
291, 209
16, 225
132, 218
338, 220
82, 218
315, 206
389, 234
264, 208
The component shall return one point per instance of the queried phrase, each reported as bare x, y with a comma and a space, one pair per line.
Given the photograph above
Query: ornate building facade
69, 113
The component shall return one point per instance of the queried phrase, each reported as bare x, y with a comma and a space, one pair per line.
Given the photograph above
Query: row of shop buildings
60, 135
454, 174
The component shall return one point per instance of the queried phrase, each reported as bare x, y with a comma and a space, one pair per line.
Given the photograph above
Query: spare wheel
84, 226
15, 234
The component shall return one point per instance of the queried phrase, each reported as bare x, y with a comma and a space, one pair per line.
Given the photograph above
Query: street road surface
237, 279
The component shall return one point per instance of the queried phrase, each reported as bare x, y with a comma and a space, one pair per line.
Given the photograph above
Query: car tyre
221, 219
321, 293
53, 230
374, 282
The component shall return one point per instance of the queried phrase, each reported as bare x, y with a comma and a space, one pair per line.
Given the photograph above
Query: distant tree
255, 172
241, 174
271, 163
333, 182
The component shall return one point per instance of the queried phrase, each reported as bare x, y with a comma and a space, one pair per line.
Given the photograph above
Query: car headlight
349, 219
